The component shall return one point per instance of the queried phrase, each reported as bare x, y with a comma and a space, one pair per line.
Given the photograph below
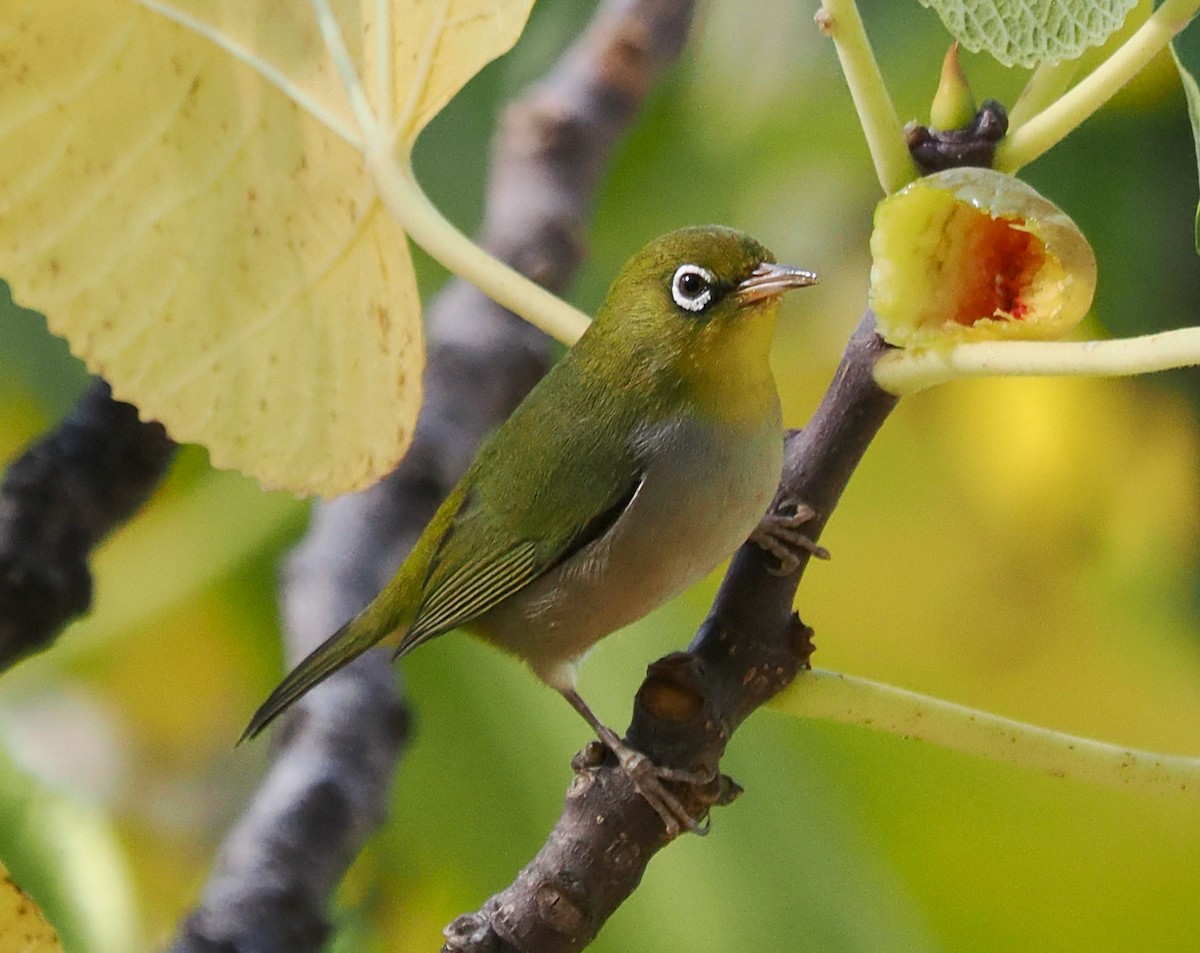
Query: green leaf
1024, 33
1186, 50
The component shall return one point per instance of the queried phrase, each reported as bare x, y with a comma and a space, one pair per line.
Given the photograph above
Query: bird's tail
337, 651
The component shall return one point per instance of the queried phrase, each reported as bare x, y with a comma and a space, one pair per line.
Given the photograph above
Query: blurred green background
1024, 546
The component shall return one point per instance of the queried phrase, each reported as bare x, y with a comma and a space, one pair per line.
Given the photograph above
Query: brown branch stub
971, 145
749, 648
64, 494
333, 757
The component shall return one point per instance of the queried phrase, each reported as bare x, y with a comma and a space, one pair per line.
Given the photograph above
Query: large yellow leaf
183, 194
23, 928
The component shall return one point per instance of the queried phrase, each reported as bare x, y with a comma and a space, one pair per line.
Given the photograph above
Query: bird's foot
646, 776
779, 534
649, 779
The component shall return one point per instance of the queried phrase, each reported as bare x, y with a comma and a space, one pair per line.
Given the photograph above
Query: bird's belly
706, 488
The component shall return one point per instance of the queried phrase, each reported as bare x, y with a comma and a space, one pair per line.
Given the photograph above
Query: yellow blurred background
1023, 546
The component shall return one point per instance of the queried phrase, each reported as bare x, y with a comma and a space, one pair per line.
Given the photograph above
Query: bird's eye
692, 287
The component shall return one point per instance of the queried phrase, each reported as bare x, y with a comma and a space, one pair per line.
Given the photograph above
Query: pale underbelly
701, 497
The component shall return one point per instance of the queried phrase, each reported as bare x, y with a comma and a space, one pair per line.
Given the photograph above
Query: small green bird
641, 460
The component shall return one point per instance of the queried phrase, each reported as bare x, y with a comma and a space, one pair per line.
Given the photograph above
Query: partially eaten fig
973, 254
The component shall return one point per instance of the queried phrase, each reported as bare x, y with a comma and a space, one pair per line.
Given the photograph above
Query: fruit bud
953, 105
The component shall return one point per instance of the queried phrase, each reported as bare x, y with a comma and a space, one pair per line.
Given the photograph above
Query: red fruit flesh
998, 269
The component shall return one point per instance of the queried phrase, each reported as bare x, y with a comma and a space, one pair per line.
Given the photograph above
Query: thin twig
853, 700
908, 371
1041, 132
840, 20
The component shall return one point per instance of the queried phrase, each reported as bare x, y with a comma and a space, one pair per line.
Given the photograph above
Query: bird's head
701, 301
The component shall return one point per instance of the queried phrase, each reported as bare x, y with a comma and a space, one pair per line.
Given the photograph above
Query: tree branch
748, 649
334, 755
63, 495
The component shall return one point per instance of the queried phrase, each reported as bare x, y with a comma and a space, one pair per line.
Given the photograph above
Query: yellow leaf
23, 929
183, 194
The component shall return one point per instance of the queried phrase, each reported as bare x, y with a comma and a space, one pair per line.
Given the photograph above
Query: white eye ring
692, 287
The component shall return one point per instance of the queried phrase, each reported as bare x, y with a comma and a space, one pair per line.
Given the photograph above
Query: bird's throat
731, 382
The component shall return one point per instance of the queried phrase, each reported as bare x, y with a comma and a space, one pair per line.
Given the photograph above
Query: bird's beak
769, 280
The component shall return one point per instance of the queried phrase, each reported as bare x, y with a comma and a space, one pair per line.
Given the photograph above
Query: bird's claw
779, 534
648, 778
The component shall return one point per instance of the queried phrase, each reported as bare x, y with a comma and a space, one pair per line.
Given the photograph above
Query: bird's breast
704, 489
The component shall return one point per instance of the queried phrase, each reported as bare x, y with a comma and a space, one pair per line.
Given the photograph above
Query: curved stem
840, 21
419, 217
1059, 119
906, 372
861, 701
1046, 84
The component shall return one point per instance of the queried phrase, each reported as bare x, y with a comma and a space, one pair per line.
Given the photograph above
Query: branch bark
749, 648
63, 495
333, 757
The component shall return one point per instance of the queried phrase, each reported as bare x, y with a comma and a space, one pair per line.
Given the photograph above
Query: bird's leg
647, 776
779, 534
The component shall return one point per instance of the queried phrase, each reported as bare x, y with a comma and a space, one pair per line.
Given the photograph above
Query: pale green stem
391, 170
860, 701
390, 167
839, 20
1046, 84
1057, 120
908, 371
401, 195
420, 218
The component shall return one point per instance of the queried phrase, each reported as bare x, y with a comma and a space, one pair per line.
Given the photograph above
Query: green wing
537, 493
527, 510
493, 574
471, 590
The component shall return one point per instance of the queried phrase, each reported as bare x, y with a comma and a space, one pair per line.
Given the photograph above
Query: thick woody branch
63, 495
749, 648
328, 783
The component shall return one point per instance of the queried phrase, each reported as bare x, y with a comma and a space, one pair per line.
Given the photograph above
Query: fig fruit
972, 254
